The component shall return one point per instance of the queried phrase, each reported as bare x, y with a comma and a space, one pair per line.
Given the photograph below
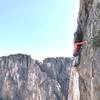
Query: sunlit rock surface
89, 68
22, 78
74, 93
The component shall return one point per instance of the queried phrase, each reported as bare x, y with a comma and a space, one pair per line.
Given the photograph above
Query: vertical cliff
89, 68
22, 78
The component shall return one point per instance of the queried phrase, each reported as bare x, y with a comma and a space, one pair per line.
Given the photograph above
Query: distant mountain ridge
22, 78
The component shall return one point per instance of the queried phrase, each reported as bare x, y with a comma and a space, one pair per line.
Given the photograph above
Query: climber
78, 42
76, 52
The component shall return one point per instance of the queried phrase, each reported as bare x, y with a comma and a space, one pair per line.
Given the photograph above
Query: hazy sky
40, 28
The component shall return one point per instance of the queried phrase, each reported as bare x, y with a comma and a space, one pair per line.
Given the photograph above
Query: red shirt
78, 45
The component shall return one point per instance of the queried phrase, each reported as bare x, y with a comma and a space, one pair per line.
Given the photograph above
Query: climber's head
78, 35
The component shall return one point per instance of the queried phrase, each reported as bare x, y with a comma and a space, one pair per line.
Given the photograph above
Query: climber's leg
76, 61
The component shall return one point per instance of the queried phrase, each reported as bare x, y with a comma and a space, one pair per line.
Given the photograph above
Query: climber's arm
81, 43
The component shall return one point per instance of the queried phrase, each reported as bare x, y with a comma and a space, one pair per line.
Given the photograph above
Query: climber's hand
85, 42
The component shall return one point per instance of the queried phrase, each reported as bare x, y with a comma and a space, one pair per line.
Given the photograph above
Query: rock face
22, 78
73, 91
89, 68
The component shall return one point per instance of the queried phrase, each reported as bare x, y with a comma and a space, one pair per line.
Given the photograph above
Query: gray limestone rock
22, 78
89, 68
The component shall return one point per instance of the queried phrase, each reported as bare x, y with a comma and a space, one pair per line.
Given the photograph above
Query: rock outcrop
89, 68
22, 78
